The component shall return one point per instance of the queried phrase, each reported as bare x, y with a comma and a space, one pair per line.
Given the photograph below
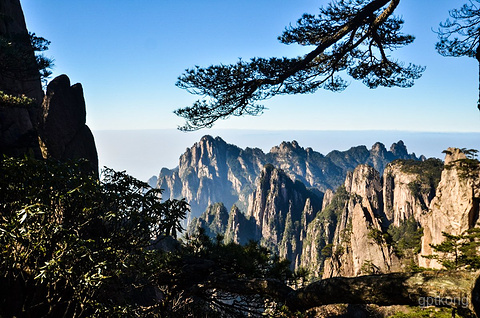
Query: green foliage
224, 264
329, 216
327, 250
459, 251
353, 37
459, 36
336, 206
377, 236
76, 246
406, 237
369, 268
300, 277
468, 168
7, 100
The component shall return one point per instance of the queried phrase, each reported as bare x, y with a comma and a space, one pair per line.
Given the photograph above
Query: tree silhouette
460, 36
354, 37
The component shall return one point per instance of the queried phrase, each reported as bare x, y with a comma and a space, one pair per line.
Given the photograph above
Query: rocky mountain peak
214, 171
399, 149
455, 208
286, 147
378, 149
453, 154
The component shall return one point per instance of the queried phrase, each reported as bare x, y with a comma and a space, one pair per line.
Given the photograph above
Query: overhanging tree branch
347, 34
461, 36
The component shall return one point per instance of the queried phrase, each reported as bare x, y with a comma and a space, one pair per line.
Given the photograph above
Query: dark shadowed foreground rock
451, 289
63, 132
17, 132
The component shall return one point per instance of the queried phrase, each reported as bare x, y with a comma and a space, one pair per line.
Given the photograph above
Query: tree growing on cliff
354, 37
459, 251
21, 57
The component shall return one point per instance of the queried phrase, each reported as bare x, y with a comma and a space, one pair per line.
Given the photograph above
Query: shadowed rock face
17, 133
18, 124
54, 126
62, 128
12, 26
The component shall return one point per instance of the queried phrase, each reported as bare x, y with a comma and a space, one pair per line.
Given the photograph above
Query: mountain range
214, 171
373, 223
347, 213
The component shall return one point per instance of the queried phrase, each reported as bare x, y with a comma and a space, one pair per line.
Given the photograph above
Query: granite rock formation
281, 209
18, 134
13, 27
214, 171
62, 129
357, 229
455, 208
50, 127
358, 245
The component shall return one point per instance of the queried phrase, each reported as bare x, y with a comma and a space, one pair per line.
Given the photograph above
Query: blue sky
127, 55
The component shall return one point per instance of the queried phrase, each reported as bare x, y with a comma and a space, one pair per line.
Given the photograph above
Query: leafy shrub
72, 245
15, 101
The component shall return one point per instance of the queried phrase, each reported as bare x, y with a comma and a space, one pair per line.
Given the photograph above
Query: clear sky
127, 54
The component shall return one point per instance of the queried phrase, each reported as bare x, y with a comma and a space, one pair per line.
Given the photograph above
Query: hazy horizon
143, 153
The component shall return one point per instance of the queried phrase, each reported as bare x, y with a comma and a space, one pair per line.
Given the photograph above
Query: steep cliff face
317, 241
408, 189
282, 209
279, 213
213, 220
358, 241
377, 229
15, 79
306, 165
214, 171
454, 209
240, 229
372, 224
18, 134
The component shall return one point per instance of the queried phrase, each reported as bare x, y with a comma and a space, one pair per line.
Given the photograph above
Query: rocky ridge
214, 171
373, 223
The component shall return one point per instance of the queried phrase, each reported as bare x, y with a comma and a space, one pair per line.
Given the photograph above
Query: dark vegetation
16, 61
76, 246
349, 37
406, 238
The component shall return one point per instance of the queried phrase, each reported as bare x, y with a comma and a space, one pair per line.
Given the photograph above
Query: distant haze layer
142, 153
